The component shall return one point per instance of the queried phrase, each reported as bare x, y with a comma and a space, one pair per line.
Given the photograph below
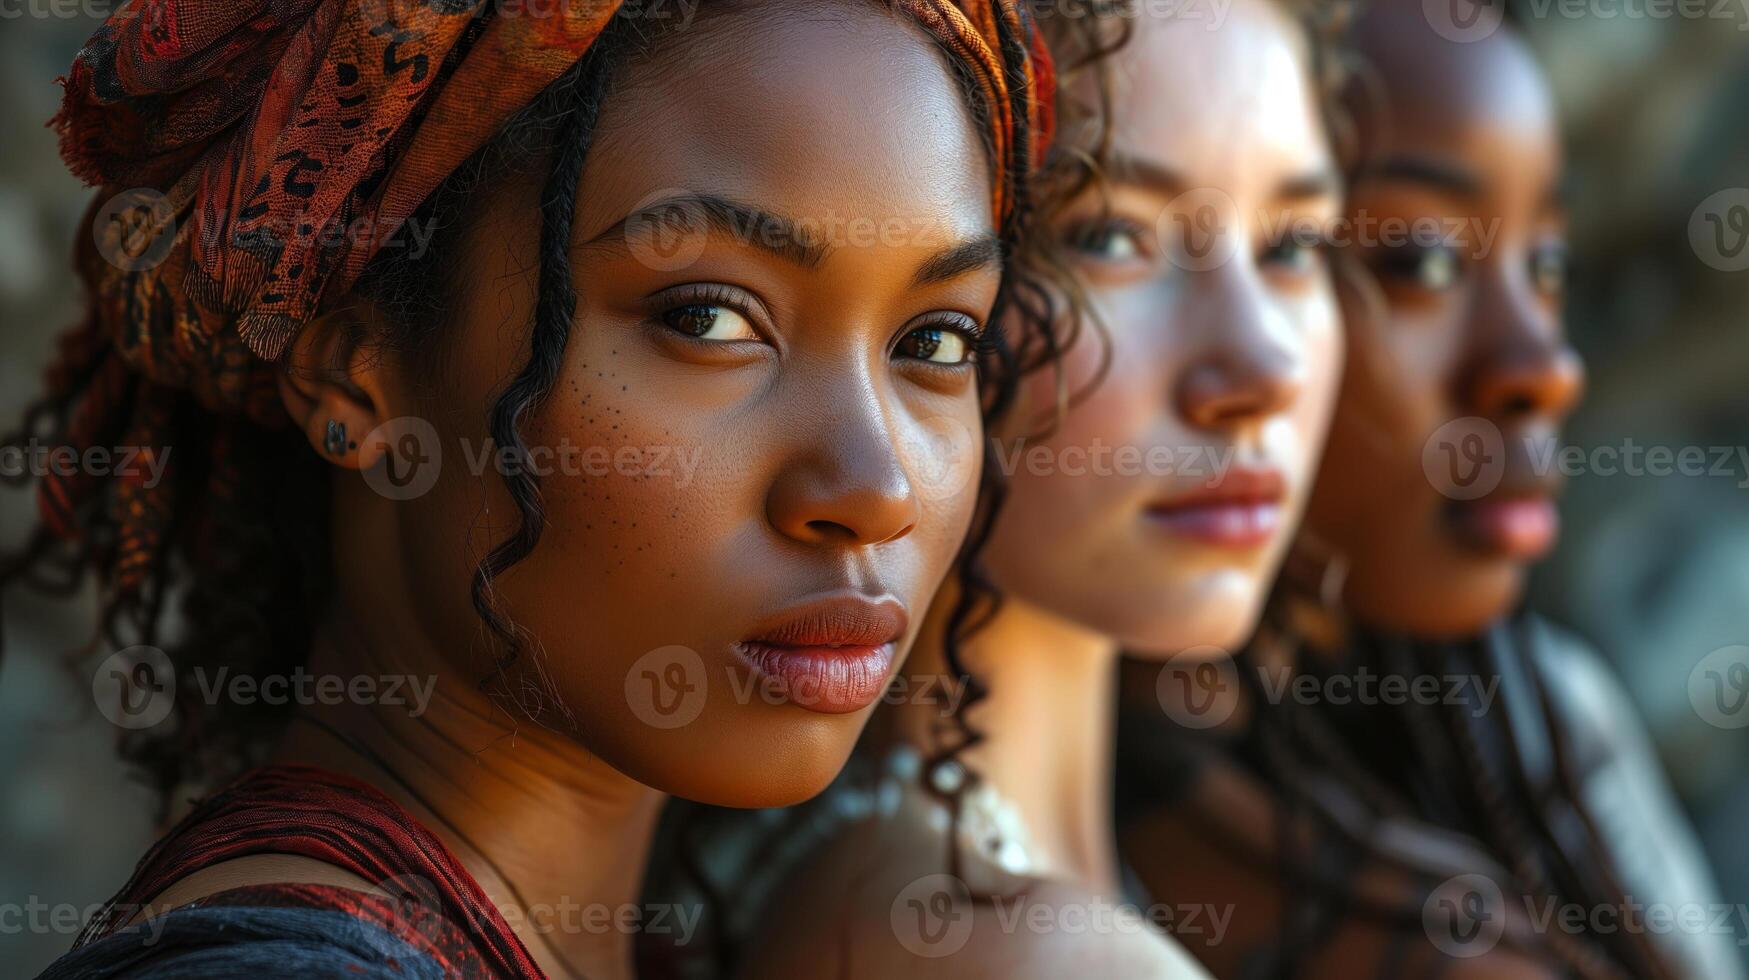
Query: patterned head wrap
255, 154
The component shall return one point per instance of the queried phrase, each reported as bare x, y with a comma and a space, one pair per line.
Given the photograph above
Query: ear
335, 388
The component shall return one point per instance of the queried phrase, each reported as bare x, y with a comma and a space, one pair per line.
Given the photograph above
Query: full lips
829, 680
831, 656
1239, 525
1515, 527
1242, 510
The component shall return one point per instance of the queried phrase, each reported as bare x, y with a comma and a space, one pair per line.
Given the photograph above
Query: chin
1454, 606
1214, 618
776, 756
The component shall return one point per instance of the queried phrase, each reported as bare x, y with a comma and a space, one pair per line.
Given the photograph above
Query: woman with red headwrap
552, 407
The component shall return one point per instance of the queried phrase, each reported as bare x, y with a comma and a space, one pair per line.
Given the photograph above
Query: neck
1047, 722
555, 836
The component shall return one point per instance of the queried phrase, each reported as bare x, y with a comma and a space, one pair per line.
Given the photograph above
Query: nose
846, 486
1243, 373
1521, 365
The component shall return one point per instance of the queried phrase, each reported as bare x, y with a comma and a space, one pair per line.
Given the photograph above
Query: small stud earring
334, 438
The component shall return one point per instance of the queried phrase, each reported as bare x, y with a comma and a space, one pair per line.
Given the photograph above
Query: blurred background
1654, 570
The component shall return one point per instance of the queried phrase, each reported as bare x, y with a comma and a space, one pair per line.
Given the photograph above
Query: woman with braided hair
1151, 488
1460, 826
640, 455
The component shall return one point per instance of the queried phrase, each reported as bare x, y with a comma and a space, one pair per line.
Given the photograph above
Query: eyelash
1081, 234
969, 329
717, 294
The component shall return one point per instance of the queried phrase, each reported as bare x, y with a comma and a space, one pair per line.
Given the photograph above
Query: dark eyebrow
1444, 176
978, 253
1169, 183
1128, 169
1308, 186
744, 223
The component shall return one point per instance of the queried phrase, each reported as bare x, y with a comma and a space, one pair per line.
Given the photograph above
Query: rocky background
1654, 570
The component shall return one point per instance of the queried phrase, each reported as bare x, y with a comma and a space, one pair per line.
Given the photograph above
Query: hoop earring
334, 438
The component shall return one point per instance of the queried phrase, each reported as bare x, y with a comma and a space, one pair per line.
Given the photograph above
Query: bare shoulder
878, 899
256, 869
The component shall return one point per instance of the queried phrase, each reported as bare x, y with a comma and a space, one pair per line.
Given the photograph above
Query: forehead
1221, 101
1483, 104
833, 112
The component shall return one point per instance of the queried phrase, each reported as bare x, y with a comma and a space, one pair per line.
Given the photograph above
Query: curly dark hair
243, 568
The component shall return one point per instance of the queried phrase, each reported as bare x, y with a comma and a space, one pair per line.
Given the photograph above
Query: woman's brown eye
935, 345
1112, 240
1433, 269
709, 322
